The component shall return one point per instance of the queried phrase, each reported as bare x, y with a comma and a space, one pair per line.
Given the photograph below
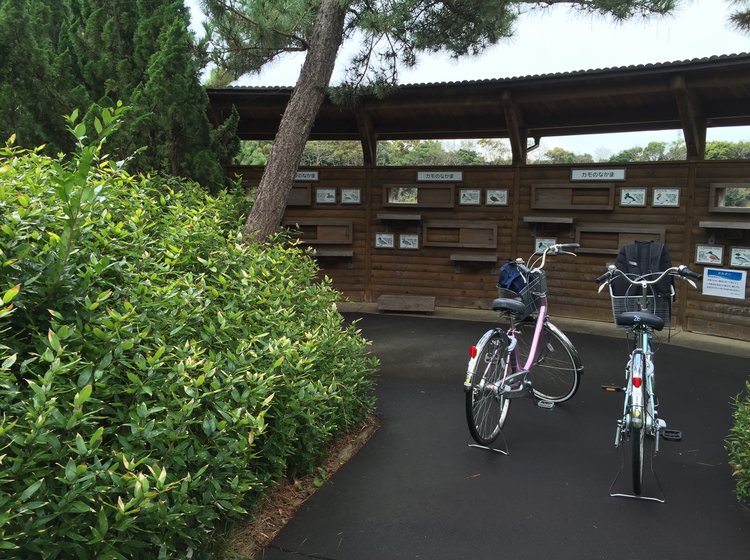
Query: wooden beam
367, 136
693, 125
516, 133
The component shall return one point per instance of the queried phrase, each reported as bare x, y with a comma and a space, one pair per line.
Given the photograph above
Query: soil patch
249, 539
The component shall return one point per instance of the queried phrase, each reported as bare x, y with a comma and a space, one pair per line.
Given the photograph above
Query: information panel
724, 283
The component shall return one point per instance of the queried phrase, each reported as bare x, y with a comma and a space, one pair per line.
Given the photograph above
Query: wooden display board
569, 196
457, 233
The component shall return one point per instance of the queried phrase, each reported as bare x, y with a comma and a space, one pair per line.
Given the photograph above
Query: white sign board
724, 283
597, 175
306, 176
440, 175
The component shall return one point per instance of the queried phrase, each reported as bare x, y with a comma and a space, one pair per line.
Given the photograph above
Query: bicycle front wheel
555, 373
486, 406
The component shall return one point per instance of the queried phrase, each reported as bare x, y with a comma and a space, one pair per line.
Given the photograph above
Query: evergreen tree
32, 87
169, 105
59, 55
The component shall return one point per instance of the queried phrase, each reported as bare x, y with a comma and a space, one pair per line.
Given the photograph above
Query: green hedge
157, 374
738, 445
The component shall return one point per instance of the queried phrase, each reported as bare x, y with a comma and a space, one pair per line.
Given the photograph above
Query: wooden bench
458, 258
406, 303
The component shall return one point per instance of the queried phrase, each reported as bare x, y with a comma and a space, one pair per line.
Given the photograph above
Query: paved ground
416, 490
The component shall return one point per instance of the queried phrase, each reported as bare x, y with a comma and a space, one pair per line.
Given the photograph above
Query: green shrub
157, 374
738, 445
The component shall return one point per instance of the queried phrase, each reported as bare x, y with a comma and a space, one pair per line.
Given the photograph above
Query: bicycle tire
637, 445
555, 375
487, 409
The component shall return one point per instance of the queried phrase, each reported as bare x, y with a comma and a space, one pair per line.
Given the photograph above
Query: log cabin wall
451, 237
727, 230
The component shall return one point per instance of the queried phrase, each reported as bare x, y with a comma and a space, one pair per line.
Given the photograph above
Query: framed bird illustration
709, 254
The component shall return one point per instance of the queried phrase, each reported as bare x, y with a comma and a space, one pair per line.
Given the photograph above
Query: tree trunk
296, 123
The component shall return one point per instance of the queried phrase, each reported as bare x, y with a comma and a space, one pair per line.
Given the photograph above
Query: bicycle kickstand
660, 495
503, 451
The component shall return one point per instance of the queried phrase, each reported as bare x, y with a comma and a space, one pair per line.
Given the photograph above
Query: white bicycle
641, 310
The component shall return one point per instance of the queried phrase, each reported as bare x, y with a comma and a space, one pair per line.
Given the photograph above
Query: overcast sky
558, 40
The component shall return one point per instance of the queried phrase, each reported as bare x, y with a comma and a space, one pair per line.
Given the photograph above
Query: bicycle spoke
555, 373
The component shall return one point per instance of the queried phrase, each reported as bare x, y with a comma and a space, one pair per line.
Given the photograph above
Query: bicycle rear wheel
556, 372
637, 444
486, 406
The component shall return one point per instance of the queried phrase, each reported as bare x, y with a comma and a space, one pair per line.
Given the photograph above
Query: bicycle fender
471, 368
572, 349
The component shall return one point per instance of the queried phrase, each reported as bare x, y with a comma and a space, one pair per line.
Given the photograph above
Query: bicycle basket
659, 305
531, 294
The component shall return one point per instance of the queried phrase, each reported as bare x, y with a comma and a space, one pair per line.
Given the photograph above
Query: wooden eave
688, 95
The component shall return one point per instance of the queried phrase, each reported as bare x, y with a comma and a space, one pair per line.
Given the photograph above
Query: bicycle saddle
512, 305
635, 318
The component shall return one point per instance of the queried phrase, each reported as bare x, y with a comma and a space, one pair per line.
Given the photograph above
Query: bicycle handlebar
680, 270
603, 277
685, 271
555, 249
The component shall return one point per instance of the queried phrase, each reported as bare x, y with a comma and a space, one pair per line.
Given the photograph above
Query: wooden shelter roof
690, 95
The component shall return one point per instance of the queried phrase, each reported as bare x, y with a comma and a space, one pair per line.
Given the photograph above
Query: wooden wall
461, 243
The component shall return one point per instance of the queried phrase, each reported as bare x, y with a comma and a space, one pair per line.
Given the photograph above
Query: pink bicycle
530, 358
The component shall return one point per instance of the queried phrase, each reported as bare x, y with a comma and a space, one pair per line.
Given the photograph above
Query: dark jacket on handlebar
639, 259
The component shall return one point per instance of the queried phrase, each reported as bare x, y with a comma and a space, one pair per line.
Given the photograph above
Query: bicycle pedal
545, 404
613, 389
671, 435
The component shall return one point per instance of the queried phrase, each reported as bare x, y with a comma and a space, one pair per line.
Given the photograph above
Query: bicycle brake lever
601, 287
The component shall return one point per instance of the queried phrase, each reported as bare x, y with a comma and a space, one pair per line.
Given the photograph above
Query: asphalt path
417, 490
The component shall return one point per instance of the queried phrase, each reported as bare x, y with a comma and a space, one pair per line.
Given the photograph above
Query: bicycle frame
541, 318
512, 350
640, 369
530, 269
